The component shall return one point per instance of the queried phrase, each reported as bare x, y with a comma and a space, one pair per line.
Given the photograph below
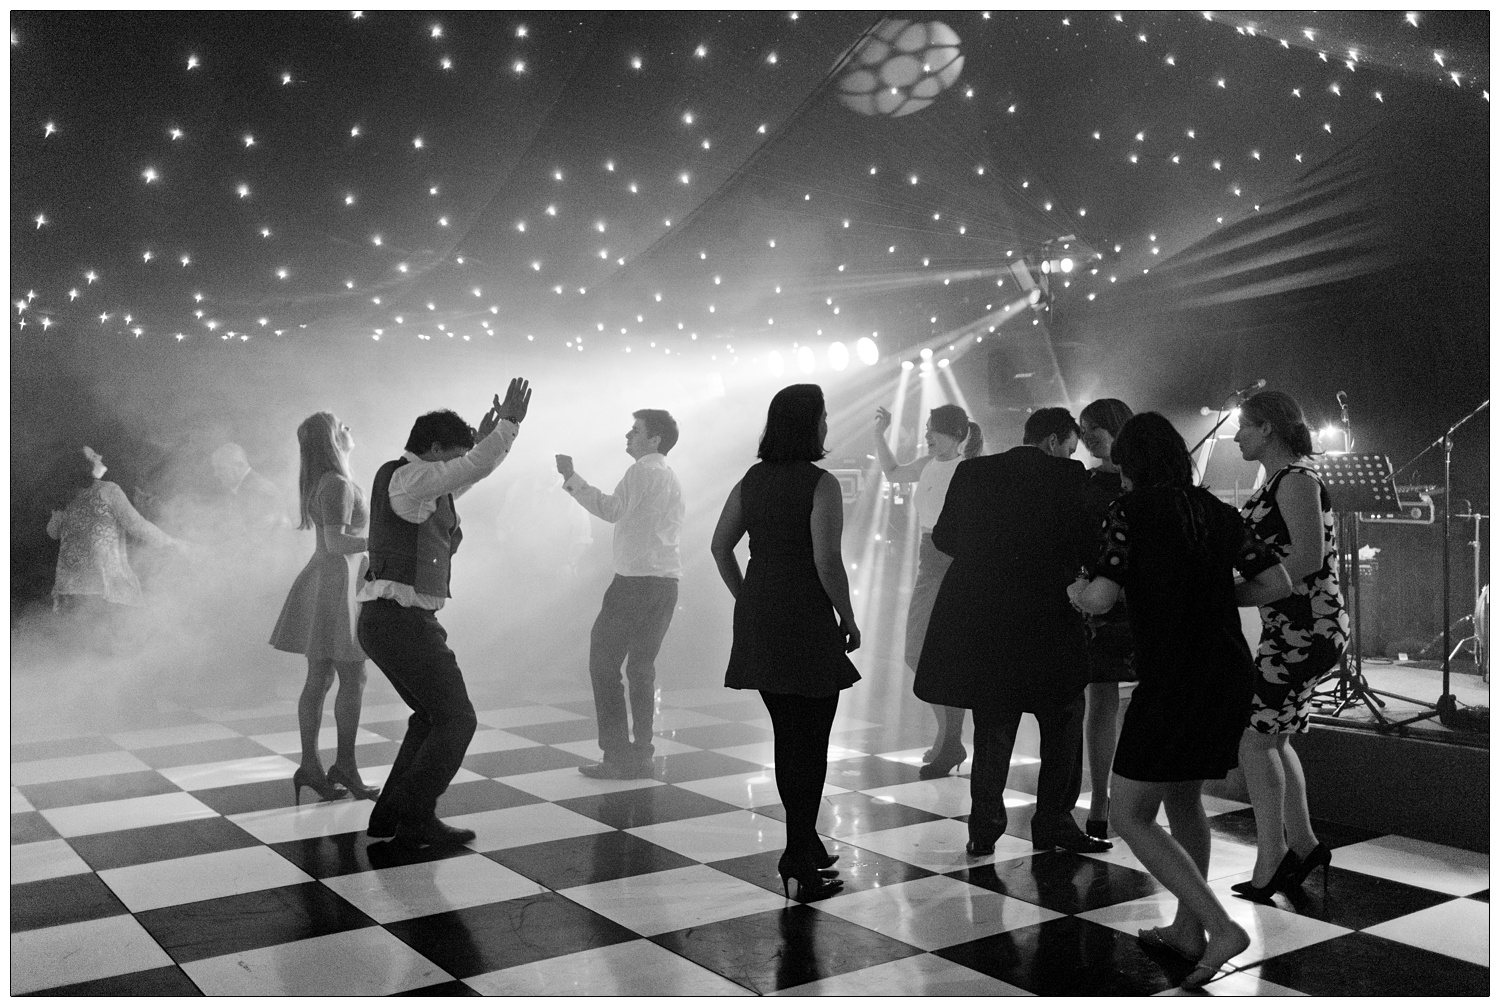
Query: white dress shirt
646, 510
414, 492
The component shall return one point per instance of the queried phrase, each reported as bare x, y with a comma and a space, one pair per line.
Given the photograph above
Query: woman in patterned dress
318, 617
1302, 636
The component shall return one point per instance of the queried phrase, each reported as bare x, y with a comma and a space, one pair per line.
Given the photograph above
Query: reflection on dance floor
171, 860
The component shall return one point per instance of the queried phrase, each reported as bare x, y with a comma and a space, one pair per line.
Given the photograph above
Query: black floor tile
587, 860
781, 948
246, 797
394, 730
167, 981
73, 898
197, 753
858, 869
583, 706
739, 709
128, 847
61, 748
374, 753
1237, 826
276, 723
883, 738
1363, 965
869, 772
630, 809
93, 789
30, 827
481, 795
560, 732
1240, 826
1356, 900
352, 852
452, 988
517, 761
1483, 896
1061, 881
213, 927
719, 735
1070, 957
688, 766
844, 815
469, 942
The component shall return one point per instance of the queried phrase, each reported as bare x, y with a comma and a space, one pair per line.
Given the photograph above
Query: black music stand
1357, 484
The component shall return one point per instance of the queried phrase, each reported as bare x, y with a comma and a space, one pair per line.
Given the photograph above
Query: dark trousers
630, 628
1058, 783
801, 725
411, 648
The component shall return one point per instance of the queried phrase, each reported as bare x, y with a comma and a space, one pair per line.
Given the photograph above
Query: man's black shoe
637, 770
433, 833
1076, 842
975, 848
382, 826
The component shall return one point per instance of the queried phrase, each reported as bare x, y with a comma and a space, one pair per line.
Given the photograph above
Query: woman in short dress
318, 617
793, 622
1302, 638
1111, 651
1174, 548
951, 438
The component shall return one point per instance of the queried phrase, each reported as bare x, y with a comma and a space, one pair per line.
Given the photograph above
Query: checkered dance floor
170, 861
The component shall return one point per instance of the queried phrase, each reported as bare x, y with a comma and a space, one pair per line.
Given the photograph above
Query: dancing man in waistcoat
413, 535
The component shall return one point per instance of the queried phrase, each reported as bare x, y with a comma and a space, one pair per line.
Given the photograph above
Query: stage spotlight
1066, 265
868, 352
943, 362
776, 364
906, 365
838, 356
926, 353
806, 359
1035, 295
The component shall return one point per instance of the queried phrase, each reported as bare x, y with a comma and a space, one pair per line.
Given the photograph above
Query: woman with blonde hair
951, 438
318, 617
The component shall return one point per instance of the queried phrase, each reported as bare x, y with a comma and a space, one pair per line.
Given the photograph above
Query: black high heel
942, 765
1098, 828
1321, 856
351, 781
1249, 890
321, 785
812, 884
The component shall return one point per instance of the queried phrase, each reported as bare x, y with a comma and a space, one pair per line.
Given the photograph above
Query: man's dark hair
445, 428
1151, 452
792, 422
1048, 421
658, 423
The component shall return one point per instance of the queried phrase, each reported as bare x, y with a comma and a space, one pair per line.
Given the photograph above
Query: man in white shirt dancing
646, 510
413, 535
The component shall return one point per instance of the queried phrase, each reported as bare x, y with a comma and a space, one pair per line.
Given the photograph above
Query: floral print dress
1304, 634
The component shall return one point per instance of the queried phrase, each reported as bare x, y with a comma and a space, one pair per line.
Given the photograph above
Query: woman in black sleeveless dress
793, 622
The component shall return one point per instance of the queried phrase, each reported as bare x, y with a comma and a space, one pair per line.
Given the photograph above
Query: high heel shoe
351, 781
1098, 828
820, 857
1320, 856
942, 765
811, 883
321, 785
1262, 893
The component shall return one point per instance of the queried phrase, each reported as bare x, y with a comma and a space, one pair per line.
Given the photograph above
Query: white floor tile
664, 901
310, 821
1221, 805
706, 696
717, 837
525, 716
1272, 931
746, 790
633, 968
403, 893
1460, 928
1414, 862
74, 767
367, 962
937, 846
1240, 984
673, 719
79, 952
523, 826
228, 715
590, 749
935, 912
131, 813
290, 742
382, 712
18, 802
51, 858
495, 740
918, 976
232, 773
183, 734
764, 753
948, 796
561, 784
207, 876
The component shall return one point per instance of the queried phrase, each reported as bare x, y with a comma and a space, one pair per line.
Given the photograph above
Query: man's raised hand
517, 401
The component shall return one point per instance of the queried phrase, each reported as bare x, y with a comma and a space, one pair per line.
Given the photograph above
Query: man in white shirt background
646, 510
414, 531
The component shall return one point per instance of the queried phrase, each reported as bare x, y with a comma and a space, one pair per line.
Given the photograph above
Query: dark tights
801, 725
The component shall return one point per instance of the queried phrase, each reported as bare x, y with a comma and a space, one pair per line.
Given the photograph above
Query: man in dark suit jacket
1004, 639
